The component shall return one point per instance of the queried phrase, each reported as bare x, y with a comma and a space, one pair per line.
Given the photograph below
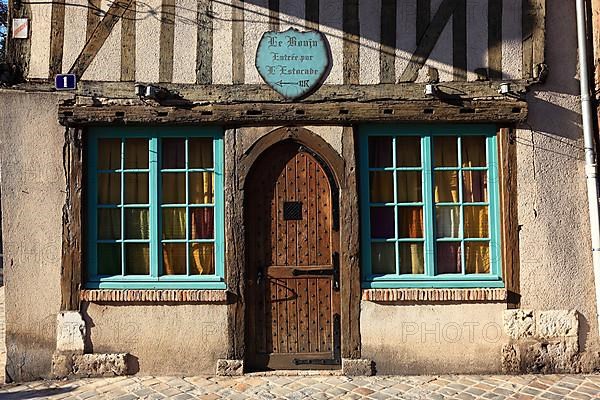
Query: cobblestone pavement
552, 387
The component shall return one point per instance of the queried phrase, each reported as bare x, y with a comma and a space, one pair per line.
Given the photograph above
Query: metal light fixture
504, 88
430, 89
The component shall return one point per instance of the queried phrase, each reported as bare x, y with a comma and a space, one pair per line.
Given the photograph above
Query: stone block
70, 332
357, 367
97, 365
62, 365
230, 367
556, 323
519, 324
510, 359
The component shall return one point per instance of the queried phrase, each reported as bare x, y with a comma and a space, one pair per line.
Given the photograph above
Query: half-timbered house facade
417, 207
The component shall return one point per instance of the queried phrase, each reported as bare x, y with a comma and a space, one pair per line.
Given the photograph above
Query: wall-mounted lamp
430, 90
504, 88
140, 90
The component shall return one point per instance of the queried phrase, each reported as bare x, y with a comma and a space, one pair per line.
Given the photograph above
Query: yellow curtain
203, 259
200, 153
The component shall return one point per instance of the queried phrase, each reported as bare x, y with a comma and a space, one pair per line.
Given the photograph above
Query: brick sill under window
400, 295
154, 295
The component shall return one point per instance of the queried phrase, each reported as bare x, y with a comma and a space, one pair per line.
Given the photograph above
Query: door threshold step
297, 372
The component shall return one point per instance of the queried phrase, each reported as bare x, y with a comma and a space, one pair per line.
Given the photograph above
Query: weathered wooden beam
99, 36
237, 42
18, 52
166, 41
429, 40
228, 94
351, 49
128, 37
57, 36
350, 249
509, 111
70, 277
204, 43
507, 156
534, 37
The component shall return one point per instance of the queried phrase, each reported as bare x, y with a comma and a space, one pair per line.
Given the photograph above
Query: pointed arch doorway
292, 252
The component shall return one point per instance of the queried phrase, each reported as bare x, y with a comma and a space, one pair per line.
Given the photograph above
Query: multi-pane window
155, 208
430, 209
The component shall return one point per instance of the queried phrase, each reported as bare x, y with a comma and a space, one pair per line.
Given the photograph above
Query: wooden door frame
343, 169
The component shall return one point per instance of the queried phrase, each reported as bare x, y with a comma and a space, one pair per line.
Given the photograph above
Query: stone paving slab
552, 387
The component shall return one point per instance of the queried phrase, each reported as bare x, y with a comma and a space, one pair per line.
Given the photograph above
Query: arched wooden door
292, 242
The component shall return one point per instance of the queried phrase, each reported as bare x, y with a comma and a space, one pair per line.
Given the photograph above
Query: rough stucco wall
432, 339
33, 183
178, 339
555, 248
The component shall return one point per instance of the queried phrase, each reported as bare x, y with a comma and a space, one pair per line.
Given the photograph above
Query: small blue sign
65, 82
293, 63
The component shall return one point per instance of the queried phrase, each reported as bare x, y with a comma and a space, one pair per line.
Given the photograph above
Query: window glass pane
173, 153
109, 154
382, 186
202, 187
445, 151
137, 259
448, 258
203, 225
447, 220
136, 223
446, 187
136, 153
410, 222
200, 153
382, 222
476, 221
109, 188
380, 151
173, 223
109, 223
109, 259
410, 188
473, 151
412, 260
136, 188
383, 258
202, 259
174, 259
173, 188
408, 151
477, 257
474, 186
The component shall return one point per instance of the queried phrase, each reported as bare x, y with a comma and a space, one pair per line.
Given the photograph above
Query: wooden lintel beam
498, 111
231, 94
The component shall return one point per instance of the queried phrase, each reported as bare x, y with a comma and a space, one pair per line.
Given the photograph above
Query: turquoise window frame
154, 280
429, 279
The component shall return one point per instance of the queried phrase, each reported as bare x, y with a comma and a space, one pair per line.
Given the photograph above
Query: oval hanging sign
293, 63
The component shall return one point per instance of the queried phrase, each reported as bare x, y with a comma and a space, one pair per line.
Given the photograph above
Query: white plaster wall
106, 65
32, 187
40, 39
184, 46
556, 269
256, 22
370, 30
147, 39
428, 339
184, 339
76, 20
222, 71
477, 37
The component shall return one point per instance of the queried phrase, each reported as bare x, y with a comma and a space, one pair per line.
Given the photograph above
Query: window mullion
427, 163
155, 260
461, 218
122, 213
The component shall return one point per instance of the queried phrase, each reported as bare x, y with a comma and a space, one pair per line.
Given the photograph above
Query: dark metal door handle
298, 272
